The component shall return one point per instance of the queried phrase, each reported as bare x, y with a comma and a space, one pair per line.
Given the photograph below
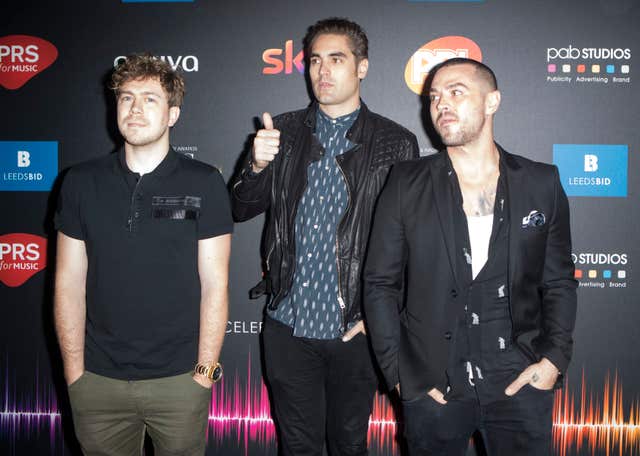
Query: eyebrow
147, 92
331, 54
451, 86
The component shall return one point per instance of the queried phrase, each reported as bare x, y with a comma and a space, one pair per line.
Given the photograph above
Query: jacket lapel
444, 202
517, 202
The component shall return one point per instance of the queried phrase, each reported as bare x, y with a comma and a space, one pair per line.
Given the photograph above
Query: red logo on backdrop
21, 256
22, 57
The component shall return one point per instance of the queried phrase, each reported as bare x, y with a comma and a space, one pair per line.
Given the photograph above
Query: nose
324, 69
136, 106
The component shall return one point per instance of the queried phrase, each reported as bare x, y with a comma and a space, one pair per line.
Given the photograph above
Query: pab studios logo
571, 64
282, 60
21, 256
28, 165
186, 63
601, 270
435, 52
22, 57
592, 169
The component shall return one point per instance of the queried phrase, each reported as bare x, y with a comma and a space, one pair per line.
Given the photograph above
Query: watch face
217, 373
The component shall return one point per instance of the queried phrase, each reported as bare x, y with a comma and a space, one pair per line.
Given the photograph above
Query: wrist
211, 371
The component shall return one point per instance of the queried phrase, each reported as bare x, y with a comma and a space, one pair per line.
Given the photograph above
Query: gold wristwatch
212, 371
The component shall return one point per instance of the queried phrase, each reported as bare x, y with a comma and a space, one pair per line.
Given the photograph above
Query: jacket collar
442, 175
355, 133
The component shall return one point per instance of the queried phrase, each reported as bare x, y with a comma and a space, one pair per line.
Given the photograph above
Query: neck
335, 111
475, 161
144, 159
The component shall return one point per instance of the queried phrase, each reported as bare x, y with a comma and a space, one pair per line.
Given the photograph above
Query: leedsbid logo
21, 256
435, 52
22, 57
574, 53
187, 63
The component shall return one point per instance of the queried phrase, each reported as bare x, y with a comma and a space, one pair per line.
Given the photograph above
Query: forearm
250, 193
214, 310
70, 322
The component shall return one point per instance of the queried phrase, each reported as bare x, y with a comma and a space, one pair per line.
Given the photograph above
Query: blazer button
447, 335
454, 293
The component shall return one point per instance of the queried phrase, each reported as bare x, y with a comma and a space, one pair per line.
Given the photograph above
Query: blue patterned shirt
311, 308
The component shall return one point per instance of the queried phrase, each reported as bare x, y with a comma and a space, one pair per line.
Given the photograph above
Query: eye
314, 60
150, 100
434, 98
456, 92
337, 59
125, 98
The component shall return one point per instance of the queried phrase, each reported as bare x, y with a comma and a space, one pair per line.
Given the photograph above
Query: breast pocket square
535, 218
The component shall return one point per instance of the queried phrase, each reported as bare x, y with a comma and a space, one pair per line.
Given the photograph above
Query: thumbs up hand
265, 145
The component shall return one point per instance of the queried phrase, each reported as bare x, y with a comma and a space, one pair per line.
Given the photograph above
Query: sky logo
592, 169
28, 166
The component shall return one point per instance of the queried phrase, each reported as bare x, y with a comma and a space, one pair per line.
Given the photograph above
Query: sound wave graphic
597, 424
240, 412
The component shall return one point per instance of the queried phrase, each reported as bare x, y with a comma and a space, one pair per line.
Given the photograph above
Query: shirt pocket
175, 217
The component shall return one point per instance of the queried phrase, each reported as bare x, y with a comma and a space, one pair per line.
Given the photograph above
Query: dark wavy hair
339, 26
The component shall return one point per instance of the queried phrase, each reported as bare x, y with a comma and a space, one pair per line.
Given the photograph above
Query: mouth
324, 85
446, 120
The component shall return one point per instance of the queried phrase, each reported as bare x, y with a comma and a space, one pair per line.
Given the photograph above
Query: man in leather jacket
318, 173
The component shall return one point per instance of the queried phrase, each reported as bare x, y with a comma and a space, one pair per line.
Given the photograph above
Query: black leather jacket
379, 144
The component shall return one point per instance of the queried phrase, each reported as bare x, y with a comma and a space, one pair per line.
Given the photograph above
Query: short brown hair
339, 26
146, 66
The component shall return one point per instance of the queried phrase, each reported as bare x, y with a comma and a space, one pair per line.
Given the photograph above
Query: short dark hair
145, 66
339, 26
483, 70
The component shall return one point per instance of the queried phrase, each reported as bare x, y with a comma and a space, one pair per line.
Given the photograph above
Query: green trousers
111, 416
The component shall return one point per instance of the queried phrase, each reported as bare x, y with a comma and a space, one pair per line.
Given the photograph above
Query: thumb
267, 121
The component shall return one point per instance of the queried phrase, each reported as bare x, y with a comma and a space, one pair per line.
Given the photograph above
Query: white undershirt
479, 236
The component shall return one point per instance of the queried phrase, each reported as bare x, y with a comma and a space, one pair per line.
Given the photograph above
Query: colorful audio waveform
240, 410
596, 423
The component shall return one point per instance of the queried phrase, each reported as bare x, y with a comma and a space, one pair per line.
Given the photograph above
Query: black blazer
410, 256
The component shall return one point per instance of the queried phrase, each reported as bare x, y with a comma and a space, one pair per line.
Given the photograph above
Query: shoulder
93, 168
536, 169
290, 119
385, 125
196, 168
415, 171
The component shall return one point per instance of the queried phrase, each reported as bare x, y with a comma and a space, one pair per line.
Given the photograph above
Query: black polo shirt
141, 235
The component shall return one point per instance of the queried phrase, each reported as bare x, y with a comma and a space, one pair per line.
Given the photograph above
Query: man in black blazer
470, 298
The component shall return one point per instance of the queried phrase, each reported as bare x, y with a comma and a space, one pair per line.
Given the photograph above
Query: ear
363, 67
492, 102
174, 114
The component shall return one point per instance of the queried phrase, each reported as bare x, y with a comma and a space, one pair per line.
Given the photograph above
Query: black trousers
321, 390
519, 425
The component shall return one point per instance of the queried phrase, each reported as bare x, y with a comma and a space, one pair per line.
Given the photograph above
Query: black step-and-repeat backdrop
566, 71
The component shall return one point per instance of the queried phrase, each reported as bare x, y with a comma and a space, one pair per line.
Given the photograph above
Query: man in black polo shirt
141, 278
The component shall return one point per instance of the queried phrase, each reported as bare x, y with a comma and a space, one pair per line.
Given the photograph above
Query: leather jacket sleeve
250, 192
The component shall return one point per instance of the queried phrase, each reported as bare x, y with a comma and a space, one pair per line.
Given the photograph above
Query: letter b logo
590, 163
24, 159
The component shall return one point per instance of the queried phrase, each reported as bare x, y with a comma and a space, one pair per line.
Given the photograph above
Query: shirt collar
166, 166
344, 122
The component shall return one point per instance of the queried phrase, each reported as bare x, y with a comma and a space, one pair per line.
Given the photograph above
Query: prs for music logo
21, 256
22, 57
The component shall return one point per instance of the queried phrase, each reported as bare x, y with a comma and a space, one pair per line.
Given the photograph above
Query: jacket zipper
341, 303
